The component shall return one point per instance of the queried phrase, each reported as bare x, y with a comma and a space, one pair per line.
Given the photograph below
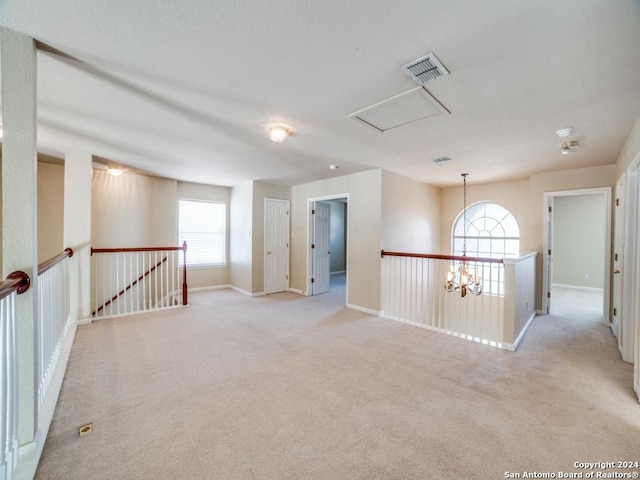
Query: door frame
631, 274
546, 281
310, 201
264, 241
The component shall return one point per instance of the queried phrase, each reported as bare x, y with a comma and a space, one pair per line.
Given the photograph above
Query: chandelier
463, 277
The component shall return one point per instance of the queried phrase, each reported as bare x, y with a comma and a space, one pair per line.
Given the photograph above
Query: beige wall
50, 210
629, 152
579, 238
206, 276
133, 211
338, 236
514, 196
411, 215
261, 191
240, 235
363, 236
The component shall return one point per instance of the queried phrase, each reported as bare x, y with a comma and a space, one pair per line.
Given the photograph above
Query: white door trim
310, 201
606, 191
631, 274
265, 264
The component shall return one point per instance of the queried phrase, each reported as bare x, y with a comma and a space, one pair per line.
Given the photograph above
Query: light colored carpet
292, 387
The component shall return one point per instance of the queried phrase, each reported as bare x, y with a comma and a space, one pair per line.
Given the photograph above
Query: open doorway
328, 227
577, 253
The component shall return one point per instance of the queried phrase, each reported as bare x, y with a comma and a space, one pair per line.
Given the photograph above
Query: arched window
490, 231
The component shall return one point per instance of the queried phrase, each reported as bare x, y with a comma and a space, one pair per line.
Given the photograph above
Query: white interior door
276, 242
618, 261
549, 266
320, 248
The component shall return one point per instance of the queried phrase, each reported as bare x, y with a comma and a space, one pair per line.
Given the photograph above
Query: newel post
184, 273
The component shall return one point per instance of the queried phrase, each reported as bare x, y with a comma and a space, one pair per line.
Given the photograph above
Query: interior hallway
286, 386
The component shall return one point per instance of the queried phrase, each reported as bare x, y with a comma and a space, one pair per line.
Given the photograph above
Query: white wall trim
607, 192
514, 346
358, 308
577, 287
308, 251
298, 291
244, 292
209, 288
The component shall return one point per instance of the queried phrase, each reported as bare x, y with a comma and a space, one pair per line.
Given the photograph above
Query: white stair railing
54, 318
419, 289
16, 283
133, 280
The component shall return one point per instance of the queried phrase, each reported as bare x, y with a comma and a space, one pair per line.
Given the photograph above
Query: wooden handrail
384, 253
17, 281
138, 249
47, 264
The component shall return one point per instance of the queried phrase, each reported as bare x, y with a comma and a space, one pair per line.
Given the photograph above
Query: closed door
320, 248
276, 245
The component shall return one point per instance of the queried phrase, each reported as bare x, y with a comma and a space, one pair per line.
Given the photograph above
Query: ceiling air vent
441, 160
425, 69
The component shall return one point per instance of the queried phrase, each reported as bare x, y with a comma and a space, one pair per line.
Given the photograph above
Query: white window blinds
202, 225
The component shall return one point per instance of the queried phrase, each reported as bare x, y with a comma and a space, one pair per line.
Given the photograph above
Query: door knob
616, 271
268, 252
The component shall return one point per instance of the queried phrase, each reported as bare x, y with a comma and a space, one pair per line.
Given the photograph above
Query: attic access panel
407, 107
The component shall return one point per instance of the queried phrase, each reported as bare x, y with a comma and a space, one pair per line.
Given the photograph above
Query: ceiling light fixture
463, 279
333, 166
278, 132
564, 132
569, 147
115, 171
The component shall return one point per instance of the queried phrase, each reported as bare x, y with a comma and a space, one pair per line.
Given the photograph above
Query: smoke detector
569, 147
425, 69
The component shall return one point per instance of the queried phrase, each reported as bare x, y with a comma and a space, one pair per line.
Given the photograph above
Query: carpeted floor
292, 387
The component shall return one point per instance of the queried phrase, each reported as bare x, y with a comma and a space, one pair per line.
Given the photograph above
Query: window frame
225, 235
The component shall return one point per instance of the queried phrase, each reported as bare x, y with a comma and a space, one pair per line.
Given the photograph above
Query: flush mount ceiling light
564, 132
115, 171
278, 132
569, 147
333, 166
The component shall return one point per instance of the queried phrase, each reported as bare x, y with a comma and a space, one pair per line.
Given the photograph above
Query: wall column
19, 206
77, 231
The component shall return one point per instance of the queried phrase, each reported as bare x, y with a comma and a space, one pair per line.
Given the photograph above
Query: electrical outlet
86, 429
587, 276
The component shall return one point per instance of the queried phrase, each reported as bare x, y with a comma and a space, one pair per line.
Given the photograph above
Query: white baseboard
211, 287
513, 346
577, 287
244, 292
363, 309
299, 292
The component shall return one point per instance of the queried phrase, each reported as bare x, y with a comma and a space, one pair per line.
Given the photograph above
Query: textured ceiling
185, 89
